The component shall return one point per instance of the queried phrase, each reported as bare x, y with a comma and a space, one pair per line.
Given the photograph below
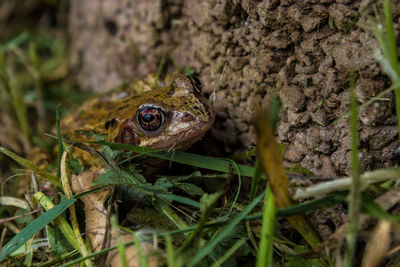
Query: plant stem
355, 191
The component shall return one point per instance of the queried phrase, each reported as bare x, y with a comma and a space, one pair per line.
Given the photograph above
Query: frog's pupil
148, 117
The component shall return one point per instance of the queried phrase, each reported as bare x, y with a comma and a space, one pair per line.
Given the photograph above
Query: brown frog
172, 115
168, 114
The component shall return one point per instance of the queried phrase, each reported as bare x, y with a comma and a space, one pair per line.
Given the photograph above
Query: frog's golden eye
150, 118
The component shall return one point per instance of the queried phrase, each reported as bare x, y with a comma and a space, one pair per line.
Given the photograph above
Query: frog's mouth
182, 140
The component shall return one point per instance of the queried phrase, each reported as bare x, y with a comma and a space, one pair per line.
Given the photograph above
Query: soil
247, 51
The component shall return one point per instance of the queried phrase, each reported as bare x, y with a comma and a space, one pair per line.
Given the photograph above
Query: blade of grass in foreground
355, 192
389, 61
392, 49
64, 226
271, 161
76, 233
60, 143
229, 253
210, 163
208, 248
264, 257
293, 210
256, 180
34, 227
171, 258
38, 224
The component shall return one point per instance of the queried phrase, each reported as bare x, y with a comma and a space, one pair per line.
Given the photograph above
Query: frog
174, 114
164, 114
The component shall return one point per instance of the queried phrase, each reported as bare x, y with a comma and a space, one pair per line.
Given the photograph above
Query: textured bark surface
244, 51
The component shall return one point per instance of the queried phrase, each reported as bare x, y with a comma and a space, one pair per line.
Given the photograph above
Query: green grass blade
204, 251
183, 200
373, 209
391, 39
210, 163
60, 143
170, 213
264, 257
19, 106
61, 222
315, 204
256, 180
17, 41
141, 258
229, 253
208, 203
169, 247
389, 59
392, 57
235, 168
355, 192
300, 208
31, 229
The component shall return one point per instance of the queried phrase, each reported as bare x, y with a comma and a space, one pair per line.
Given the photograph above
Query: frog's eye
150, 118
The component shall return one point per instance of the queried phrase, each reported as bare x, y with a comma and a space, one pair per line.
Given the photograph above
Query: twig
3, 234
17, 216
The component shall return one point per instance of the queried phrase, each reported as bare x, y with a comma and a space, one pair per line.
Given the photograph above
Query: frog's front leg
97, 215
98, 225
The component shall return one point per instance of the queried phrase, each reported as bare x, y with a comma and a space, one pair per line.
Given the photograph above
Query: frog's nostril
187, 117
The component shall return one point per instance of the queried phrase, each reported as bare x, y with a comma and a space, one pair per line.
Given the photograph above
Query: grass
204, 222
355, 190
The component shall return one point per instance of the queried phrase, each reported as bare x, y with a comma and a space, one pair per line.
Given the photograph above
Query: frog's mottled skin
188, 115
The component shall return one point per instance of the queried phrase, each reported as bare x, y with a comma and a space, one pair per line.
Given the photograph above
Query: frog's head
173, 116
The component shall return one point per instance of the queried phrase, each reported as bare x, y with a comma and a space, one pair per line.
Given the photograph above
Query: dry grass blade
367, 178
13, 201
378, 245
74, 221
271, 161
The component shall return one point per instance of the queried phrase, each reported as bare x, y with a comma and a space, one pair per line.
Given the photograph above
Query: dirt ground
244, 51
